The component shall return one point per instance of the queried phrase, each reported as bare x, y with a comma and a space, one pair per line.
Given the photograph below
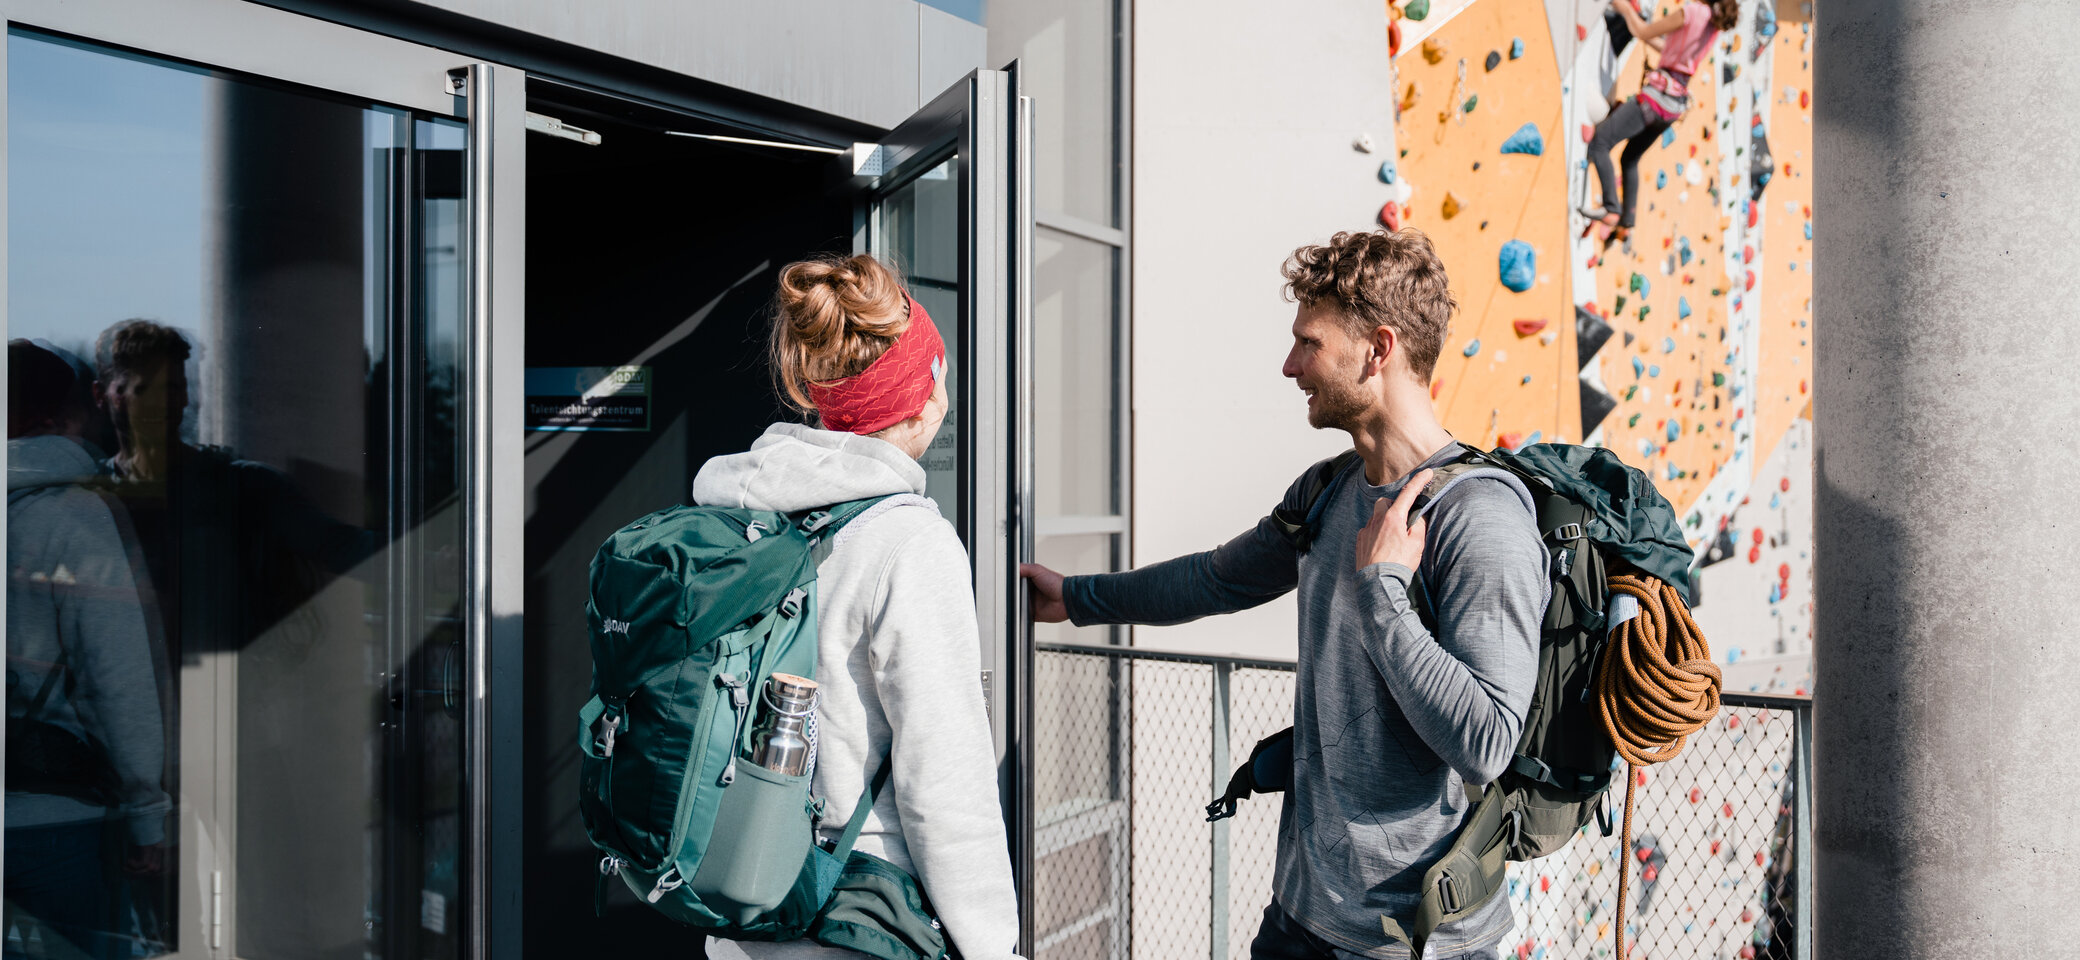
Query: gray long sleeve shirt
1390, 721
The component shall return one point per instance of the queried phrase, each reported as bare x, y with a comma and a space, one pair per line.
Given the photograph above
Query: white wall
1244, 115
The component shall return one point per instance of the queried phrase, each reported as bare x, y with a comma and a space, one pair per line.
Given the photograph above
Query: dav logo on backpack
616, 626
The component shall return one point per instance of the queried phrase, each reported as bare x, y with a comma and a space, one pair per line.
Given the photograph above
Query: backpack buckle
1447, 894
604, 741
1568, 531
792, 605
816, 521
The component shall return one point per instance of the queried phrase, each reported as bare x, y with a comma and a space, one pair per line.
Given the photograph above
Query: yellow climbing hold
1433, 51
1408, 97
1451, 205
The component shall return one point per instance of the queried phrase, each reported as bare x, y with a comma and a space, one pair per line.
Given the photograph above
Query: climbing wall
1479, 173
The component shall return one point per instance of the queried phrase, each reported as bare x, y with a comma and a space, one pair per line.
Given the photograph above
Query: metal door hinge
216, 909
989, 693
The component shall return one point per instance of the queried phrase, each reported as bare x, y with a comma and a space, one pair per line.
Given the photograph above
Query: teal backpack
1596, 516
692, 609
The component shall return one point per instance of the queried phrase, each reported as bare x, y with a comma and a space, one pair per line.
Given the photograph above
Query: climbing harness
1656, 686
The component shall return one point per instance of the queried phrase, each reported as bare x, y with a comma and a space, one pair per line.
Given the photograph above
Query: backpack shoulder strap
827, 528
1299, 517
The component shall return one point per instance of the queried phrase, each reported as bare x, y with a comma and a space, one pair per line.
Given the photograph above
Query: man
1392, 718
85, 736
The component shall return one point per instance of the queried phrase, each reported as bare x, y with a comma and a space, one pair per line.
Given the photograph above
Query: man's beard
1338, 404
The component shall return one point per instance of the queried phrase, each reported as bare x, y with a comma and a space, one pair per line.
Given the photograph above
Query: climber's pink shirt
1684, 48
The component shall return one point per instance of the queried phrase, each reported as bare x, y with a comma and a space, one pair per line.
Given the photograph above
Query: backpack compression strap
867, 798
1300, 516
1468, 876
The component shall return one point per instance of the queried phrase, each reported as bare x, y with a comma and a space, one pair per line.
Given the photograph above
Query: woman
898, 652
1683, 38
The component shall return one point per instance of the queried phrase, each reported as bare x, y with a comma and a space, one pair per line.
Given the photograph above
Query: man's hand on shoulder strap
1388, 537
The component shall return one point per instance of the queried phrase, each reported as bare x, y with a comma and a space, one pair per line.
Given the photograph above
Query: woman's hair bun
832, 317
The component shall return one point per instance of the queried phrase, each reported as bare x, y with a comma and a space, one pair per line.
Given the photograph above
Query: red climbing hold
1651, 873
1640, 776
1754, 554
1581, 32
1696, 795
1733, 721
1526, 328
1751, 277
1667, 242
1715, 843
1746, 952
1509, 441
1784, 484
1757, 535
1644, 854
1394, 38
1760, 858
1801, 387
1805, 99
1754, 215
1747, 916
1435, 386
1524, 950
1588, 133
1693, 149
1726, 809
1390, 217
1545, 883
1594, 260
1783, 571
1747, 254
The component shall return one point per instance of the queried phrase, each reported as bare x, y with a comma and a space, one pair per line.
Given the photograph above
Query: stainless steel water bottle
780, 739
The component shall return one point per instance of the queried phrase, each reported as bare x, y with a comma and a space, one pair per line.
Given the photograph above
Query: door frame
251, 39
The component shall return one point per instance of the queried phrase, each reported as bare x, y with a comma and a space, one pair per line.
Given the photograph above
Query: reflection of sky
105, 167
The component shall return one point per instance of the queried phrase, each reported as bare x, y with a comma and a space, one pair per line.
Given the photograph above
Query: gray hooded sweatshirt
898, 658
71, 588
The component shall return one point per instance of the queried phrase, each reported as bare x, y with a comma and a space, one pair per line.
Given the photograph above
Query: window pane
1065, 49
1074, 382
241, 556
921, 237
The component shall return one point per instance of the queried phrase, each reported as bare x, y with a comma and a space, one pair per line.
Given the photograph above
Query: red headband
890, 390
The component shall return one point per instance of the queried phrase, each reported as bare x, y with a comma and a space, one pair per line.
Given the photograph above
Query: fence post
1802, 823
1217, 923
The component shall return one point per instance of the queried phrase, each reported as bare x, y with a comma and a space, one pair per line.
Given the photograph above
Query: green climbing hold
1718, 379
1417, 9
1470, 103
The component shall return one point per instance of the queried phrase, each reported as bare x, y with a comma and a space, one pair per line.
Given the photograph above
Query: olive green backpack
1595, 516
692, 609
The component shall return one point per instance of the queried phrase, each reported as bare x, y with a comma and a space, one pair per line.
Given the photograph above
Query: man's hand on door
1047, 593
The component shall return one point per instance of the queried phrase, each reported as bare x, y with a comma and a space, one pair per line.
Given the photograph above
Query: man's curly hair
1379, 278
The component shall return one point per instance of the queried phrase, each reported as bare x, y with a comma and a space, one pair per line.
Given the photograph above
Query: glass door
948, 203
241, 612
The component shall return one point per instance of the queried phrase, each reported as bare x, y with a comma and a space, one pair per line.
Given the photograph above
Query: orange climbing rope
1656, 686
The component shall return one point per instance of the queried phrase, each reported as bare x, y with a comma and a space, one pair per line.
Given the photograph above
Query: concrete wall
1948, 263
874, 61
1244, 118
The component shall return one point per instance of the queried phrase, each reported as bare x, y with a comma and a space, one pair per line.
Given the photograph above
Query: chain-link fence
1132, 744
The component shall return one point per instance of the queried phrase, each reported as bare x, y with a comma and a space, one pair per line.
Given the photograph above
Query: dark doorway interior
660, 251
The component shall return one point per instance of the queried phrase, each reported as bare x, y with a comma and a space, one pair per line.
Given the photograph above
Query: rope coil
1656, 686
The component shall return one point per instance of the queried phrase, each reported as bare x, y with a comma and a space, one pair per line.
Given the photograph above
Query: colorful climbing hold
1451, 206
1509, 441
1525, 328
1516, 48
1784, 484
1581, 32
1638, 366
1653, 370
1650, 873
1471, 102
1494, 60
1637, 284
1390, 216
1754, 554
1696, 794
1518, 265
1748, 254
1526, 141
1436, 385
1750, 282
1394, 37
1417, 9
1432, 50
1675, 431
1682, 308
1473, 346
1660, 179
1668, 344
1726, 809
1668, 137
1386, 172
1588, 133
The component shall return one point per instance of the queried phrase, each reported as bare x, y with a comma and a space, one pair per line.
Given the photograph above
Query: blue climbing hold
1675, 431
1774, 501
1654, 370
1776, 593
1516, 48
1668, 137
1526, 141
1683, 248
1386, 172
1474, 347
1668, 344
1518, 264
1536, 436
1683, 303
1660, 179
1809, 229
1638, 367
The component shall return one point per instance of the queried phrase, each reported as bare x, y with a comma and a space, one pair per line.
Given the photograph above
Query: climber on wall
1683, 37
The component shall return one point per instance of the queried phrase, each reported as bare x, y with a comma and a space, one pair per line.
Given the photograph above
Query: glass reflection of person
85, 742
233, 546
